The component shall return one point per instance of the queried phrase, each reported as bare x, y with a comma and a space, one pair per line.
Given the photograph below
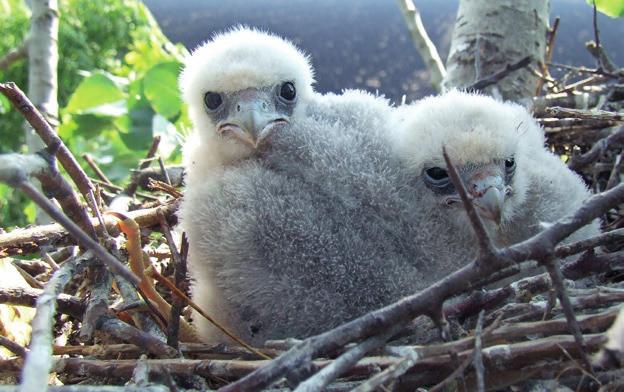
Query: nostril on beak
264, 105
238, 108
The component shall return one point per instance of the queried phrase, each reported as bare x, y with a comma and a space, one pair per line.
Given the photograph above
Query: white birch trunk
42, 70
488, 35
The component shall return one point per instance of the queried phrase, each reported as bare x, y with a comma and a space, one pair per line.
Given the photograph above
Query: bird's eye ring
436, 173
288, 92
436, 178
510, 165
212, 100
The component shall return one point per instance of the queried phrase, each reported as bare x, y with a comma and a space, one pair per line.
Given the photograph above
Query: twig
133, 185
548, 57
96, 169
161, 186
561, 112
497, 76
175, 174
343, 363
614, 176
141, 267
21, 296
47, 134
130, 334
115, 265
42, 166
486, 247
95, 388
177, 292
98, 301
163, 170
423, 43
39, 359
391, 373
14, 55
552, 266
600, 147
23, 241
596, 30
180, 282
478, 355
118, 189
129, 350
459, 370
12, 346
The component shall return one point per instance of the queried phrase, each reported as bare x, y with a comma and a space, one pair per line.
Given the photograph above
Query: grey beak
488, 196
251, 122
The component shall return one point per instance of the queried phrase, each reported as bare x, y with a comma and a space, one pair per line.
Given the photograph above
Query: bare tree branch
423, 43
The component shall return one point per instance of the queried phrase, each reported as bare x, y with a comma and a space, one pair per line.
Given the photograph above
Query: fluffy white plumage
237, 60
494, 145
250, 221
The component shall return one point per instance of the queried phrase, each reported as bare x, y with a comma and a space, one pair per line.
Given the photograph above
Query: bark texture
488, 35
42, 71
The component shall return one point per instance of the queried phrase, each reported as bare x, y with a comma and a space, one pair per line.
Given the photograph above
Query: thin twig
499, 75
14, 55
39, 359
115, 265
556, 277
47, 134
423, 43
163, 170
96, 169
180, 282
486, 247
600, 147
478, 355
133, 185
343, 363
12, 346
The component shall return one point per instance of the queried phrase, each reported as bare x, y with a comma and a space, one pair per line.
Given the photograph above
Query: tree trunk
42, 70
489, 35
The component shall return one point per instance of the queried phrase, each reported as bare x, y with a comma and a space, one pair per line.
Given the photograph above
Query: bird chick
516, 184
240, 87
312, 235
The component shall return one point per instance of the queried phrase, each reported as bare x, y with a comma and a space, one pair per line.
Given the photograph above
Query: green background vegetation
117, 77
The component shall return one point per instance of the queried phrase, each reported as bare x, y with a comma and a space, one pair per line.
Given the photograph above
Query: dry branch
24, 241
423, 43
47, 134
39, 359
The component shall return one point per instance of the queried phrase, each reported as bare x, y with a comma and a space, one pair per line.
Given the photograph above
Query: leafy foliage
117, 88
613, 8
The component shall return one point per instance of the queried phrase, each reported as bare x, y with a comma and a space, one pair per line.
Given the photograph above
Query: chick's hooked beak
488, 192
252, 119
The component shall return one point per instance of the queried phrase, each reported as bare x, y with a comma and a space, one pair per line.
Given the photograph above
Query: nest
116, 328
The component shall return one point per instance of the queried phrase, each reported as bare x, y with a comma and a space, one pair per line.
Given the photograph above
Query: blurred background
364, 43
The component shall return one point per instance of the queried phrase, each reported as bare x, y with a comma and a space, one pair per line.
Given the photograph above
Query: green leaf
160, 86
4, 104
612, 8
31, 212
139, 135
169, 136
94, 91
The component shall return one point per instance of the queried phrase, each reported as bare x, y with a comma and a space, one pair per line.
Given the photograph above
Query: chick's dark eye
436, 173
213, 100
510, 164
288, 92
